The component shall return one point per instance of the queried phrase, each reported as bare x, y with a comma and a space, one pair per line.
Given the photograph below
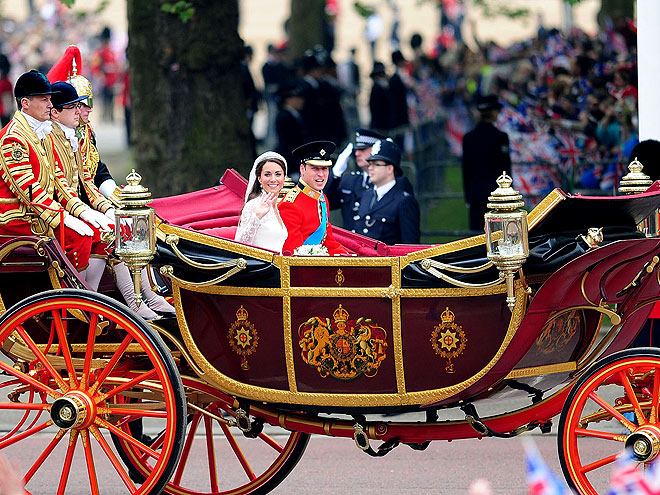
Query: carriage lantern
506, 232
637, 182
134, 222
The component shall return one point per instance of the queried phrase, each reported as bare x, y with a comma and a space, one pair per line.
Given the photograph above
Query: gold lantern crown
635, 181
505, 197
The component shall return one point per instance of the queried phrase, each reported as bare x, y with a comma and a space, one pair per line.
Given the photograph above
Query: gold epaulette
291, 195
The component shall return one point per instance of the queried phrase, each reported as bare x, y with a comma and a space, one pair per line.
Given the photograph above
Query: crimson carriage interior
507, 351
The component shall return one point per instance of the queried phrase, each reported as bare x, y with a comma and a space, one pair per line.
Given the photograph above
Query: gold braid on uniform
88, 151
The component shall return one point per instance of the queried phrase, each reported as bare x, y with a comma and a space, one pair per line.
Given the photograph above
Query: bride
260, 224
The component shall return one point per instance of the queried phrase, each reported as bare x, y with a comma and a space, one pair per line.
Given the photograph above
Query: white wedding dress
268, 232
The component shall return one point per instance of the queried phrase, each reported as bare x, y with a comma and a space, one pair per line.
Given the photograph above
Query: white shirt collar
41, 129
70, 134
384, 189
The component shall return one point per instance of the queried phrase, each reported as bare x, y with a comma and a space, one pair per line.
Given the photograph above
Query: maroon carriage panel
329, 276
240, 336
446, 340
343, 345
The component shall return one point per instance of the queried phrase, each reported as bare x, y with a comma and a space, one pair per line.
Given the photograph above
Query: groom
304, 210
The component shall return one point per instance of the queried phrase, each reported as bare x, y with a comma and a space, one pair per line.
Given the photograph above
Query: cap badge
376, 148
322, 152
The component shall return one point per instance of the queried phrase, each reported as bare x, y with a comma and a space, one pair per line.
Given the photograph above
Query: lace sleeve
248, 225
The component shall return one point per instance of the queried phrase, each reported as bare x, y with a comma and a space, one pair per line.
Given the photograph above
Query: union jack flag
540, 479
629, 478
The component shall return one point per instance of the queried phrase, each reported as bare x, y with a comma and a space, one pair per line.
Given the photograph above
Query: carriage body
262, 338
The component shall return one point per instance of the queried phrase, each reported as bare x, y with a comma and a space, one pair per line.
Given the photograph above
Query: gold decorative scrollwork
448, 339
339, 277
243, 337
343, 349
391, 292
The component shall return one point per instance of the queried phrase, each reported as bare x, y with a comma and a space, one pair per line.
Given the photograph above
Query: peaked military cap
66, 95
488, 102
316, 153
365, 138
32, 83
389, 152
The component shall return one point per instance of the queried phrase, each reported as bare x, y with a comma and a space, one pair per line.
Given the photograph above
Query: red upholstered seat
215, 211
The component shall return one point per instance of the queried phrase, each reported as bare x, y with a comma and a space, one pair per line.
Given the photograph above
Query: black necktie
374, 199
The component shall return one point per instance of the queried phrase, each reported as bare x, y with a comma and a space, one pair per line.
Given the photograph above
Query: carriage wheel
218, 459
67, 380
613, 406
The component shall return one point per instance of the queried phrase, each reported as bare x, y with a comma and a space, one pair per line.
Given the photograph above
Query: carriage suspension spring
472, 417
362, 439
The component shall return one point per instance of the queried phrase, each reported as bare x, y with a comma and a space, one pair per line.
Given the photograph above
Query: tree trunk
188, 108
608, 8
306, 26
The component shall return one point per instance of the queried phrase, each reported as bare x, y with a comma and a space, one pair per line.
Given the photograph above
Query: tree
306, 26
188, 108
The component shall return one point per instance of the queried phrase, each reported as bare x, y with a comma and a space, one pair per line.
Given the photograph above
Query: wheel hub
74, 410
644, 443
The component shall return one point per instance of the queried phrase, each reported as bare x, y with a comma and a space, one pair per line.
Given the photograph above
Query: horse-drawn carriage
267, 349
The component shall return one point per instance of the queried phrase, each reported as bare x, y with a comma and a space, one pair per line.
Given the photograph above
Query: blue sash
317, 236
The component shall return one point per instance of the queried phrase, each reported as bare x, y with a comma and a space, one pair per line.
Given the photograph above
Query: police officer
344, 190
485, 156
388, 212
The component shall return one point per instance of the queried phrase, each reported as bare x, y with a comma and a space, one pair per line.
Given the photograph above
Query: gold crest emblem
448, 339
344, 349
339, 277
243, 337
17, 153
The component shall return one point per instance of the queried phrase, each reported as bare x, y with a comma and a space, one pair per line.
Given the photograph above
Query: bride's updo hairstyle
268, 156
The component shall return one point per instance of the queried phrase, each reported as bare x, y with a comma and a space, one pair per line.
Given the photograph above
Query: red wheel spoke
49, 448
125, 436
25, 434
29, 406
68, 459
42, 358
111, 364
581, 432
113, 459
653, 415
89, 351
599, 464
89, 458
30, 380
616, 414
237, 450
64, 346
639, 414
271, 441
186, 449
137, 413
210, 454
140, 378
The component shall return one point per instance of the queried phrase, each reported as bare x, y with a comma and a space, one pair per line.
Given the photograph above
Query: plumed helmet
67, 68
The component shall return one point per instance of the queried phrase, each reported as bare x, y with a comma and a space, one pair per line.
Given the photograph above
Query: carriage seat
216, 211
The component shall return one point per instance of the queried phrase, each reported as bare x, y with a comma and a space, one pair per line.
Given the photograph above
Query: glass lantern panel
505, 237
134, 236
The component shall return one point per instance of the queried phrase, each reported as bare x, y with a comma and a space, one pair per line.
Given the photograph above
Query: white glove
342, 161
110, 213
78, 225
97, 219
107, 187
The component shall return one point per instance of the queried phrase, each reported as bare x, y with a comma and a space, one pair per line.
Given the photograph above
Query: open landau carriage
267, 349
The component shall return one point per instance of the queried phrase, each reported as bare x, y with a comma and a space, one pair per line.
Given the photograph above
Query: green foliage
363, 10
68, 3
183, 9
492, 8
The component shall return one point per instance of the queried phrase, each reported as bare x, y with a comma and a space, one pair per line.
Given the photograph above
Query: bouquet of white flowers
311, 250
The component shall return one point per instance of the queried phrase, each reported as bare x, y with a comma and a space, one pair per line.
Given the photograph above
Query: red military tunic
28, 190
301, 213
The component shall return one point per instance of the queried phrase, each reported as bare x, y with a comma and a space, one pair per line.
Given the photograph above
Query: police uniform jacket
392, 220
300, 211
30, 182
345, 193
76, 173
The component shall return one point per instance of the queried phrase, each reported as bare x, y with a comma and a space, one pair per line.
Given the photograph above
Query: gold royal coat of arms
343, 349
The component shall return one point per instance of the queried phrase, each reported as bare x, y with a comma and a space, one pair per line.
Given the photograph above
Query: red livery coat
301, 213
